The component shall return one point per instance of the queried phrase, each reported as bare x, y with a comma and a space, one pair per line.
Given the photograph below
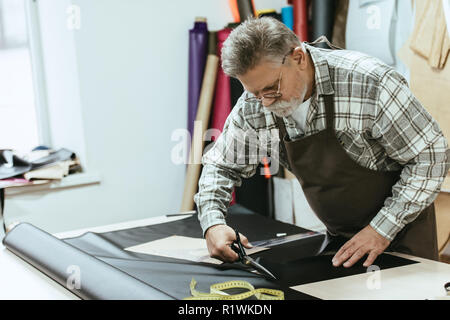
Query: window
18, 119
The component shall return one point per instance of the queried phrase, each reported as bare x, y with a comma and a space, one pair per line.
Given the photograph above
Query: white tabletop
423, 280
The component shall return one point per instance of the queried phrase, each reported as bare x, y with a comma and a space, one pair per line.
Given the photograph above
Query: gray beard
285, 108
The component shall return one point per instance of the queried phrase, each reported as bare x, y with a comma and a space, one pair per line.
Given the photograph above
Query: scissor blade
257, 266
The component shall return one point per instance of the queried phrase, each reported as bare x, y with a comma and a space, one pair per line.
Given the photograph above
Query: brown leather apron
346, 196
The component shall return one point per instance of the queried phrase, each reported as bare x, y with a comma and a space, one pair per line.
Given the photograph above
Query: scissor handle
240, 249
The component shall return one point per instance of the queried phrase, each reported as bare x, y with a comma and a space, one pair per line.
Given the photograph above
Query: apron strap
329, 112
281, 132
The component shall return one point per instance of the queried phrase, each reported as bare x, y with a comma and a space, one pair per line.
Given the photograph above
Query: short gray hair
256, 40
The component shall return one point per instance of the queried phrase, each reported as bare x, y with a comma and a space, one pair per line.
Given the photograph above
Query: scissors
247, 260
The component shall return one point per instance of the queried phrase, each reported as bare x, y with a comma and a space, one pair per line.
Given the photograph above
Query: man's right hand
219, 239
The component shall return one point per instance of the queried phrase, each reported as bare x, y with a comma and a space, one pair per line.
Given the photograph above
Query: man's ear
299, 56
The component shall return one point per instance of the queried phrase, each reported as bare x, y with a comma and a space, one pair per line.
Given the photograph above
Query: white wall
117, 88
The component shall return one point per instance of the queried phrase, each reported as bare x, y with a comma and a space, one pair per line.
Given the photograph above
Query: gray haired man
369, 157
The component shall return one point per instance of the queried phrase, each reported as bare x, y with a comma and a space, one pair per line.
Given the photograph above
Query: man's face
292, 78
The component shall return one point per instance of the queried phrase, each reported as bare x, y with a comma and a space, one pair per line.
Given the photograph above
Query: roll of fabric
236, 91
233, 25
246, 9
201, 125
236, 87
340, 24
323, 12
83, 274
198, 41
268, 13
222, 98
287, 16
300, 12
234, 10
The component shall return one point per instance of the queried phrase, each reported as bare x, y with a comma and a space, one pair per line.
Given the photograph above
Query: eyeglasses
272, 95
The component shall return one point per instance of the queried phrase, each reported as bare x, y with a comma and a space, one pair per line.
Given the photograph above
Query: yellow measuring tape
216, 292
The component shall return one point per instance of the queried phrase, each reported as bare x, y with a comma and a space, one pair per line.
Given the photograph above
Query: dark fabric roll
340, 24
245, 8
233, 25
323, 13
236, 90
58, 260
198, 40
212, 42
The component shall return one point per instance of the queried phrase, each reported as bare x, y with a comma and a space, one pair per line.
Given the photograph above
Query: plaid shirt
378, 121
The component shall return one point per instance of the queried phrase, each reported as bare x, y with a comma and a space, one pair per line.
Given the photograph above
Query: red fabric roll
300, 19
222, 97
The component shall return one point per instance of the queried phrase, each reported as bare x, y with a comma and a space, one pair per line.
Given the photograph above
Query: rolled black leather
323, 13
245, 8
236, 90
59, 261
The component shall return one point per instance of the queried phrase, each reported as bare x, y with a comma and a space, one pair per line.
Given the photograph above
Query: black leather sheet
294, 263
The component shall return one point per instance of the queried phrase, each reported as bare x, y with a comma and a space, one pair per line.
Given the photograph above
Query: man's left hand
367, 241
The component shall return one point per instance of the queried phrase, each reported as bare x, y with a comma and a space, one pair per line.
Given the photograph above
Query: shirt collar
322, 72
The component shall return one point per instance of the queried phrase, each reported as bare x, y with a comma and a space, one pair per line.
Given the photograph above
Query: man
369, 157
